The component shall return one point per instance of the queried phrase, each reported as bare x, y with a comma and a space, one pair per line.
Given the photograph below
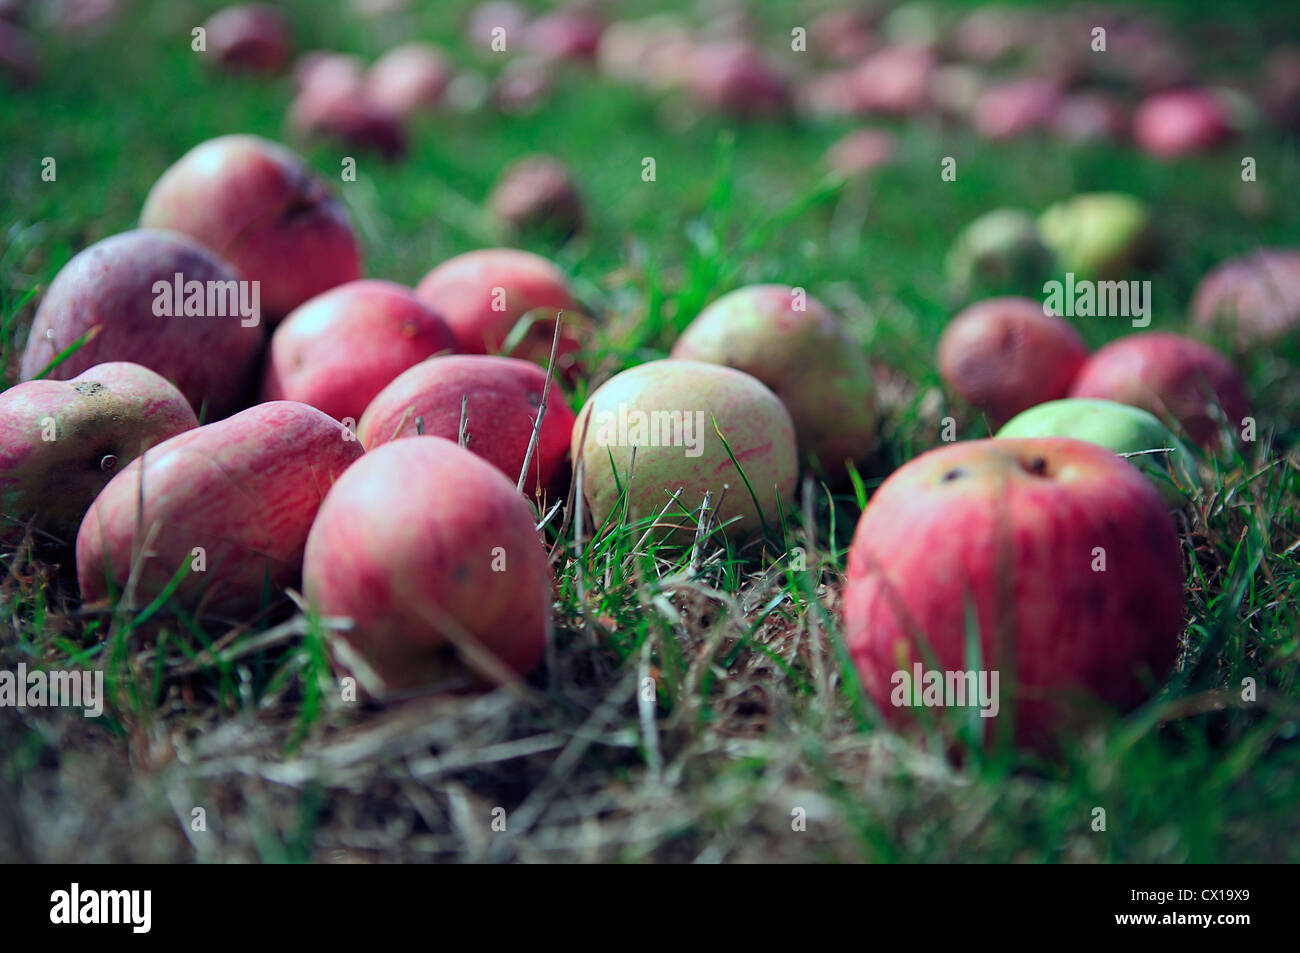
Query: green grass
690, 710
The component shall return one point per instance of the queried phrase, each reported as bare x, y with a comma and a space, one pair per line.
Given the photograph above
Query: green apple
1097, 235
1001, 252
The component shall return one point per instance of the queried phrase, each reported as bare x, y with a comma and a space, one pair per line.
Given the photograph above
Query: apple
121, 291
495, 19
999, 252
1121, 428
1182, 381
861, 152
832, 93
18, 60
842, 35
232, 502
434, 557
570, 33
256, 204
992, 33
666, 410
1004, 355
1255, 297
408, 79
483, 294
1090, 117
502, 397
1006, 538
1097, 235
523, 85
1011, 109
62, 441
251, 37
537, 194
794, 345
349, 116
341, 348
1180, 122
896, 80
325, 72
731, 76
654, 51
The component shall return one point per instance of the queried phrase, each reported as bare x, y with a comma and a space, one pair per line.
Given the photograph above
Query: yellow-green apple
434, 557
1001, 252
256, 204
62, 441
1180, 122
154, 298
1129, 431
252, 37
666, 410
502, 397
1097, 235
341, 348
796, 347
483, 294
1187, 384
228, 504
1005, 354
1060, 557
1255, 297
408, 79
537, 194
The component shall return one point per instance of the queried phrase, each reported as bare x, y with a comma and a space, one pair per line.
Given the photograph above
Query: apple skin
1097, 235
808, 360
1004, 355
537, 194
757, 427
463, 290
1255, 297
411, 536
408, 79
103, 419
732, 77
250, 37
109, 286
1012, 109
973, 525
1001, 252
246, 489
341, 348
1181, 122
255, 203
1118, 427
503, 398
896, 80
1172, 376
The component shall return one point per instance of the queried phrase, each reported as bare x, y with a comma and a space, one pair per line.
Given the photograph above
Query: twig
541, 409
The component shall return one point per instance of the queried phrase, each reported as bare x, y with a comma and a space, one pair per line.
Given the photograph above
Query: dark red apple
1181, 122
538, 194
250, 37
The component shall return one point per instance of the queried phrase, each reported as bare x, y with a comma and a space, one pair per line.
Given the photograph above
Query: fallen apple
433, 556
256, 204
502, 398
1053, 558
795, 346
1097, 235
348, 116
666, 410
861, 152
341, 348
62, 441
408, 79
1254, 297
1129, 431
570, 33
1090, 117
227, 508
19, 63
1001, 252
1004, 355
537, 194
251, 37
158, 299
733, 77
1189, 385
1180, 122
1012, 109
896, 80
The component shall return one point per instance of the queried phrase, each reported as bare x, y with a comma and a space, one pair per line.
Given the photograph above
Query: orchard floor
756, 722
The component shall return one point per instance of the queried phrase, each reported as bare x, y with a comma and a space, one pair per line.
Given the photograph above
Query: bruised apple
256, 204
228, 504
341, 348
62, 441
793, 344
1053, 557
434, 557
666, 410
158, 299
502, 398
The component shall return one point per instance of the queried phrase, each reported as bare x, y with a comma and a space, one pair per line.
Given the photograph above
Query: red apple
62, 441
523, 85
502, 396
348, 116
842, 35
538, 194
1088, 117
1004, 355
1006, 538
1184, 382
896, 80
487, 18
252, 37
434, 557
341, 348
408, 79
1012, 109
258, 206
121, 291
571, 33
1255, 297
861, 152
1180, 122
733, 77
242, 492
